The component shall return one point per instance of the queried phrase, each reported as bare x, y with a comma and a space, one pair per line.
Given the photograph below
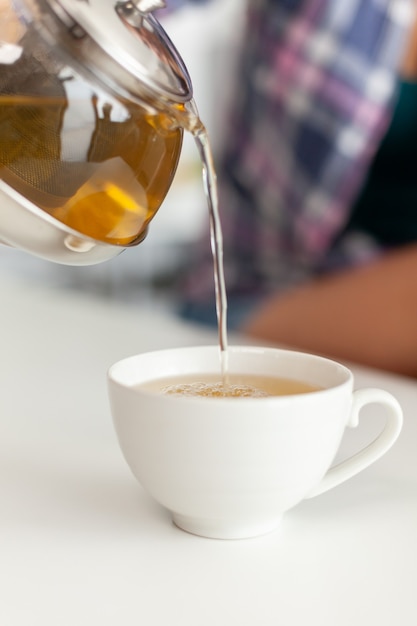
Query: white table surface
81, 544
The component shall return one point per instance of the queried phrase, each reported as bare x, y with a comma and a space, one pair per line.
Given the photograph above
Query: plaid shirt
317, 85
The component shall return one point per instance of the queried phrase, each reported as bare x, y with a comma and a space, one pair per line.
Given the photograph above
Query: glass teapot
90, 96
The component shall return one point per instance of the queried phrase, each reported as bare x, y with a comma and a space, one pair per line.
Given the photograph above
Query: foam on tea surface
215, 390
233, 386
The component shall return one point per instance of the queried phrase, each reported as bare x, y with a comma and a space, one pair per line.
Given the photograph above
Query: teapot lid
122, 41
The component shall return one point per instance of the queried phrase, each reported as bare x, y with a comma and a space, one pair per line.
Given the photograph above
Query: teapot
91, 98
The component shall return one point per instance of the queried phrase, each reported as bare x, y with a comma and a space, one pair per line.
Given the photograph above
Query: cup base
219, 529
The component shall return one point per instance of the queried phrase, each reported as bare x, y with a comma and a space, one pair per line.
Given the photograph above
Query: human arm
366, 315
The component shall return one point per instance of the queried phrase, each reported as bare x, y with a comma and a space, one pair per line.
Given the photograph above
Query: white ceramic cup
230, 467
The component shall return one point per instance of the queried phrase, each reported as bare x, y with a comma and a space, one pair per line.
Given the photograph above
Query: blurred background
207, 37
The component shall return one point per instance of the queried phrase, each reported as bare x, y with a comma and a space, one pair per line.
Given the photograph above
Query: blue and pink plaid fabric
316, 90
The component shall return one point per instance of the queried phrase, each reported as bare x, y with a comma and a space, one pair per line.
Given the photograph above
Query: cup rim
116, 373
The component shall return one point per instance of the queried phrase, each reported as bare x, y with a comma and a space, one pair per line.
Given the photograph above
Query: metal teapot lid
122, 43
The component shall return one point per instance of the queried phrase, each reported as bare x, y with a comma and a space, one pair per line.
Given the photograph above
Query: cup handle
371, 453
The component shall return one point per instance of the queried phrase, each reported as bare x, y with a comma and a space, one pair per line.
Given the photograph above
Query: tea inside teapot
89, 99
98, 164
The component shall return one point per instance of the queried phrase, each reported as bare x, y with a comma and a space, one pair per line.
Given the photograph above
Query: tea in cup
228, 457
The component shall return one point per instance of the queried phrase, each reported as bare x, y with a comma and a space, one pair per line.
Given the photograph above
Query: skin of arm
366, 315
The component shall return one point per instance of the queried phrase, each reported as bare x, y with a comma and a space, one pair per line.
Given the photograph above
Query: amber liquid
101, 167
237, 386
